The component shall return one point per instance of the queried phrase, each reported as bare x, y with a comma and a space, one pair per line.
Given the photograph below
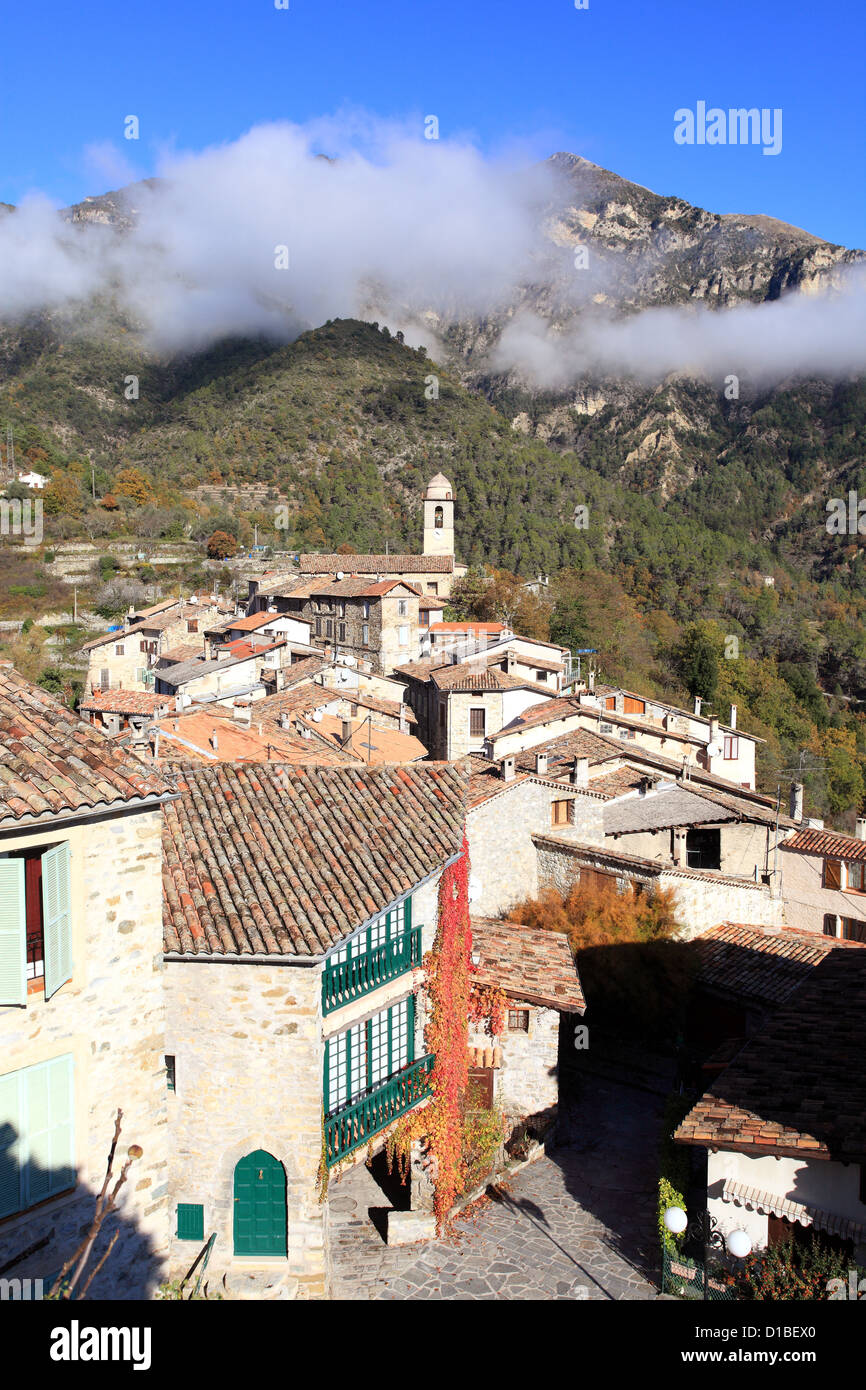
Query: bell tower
439, 517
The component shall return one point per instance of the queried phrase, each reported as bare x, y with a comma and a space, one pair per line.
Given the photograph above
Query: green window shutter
48, 1129
10, 1143
326, 1079
410, 1026
56, 918
407, 914
13, 933
190, 1221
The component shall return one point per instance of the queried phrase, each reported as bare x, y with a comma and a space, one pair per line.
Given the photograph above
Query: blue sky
602, 82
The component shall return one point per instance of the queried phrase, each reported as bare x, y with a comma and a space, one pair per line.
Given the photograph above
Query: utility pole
75, 605
93, 481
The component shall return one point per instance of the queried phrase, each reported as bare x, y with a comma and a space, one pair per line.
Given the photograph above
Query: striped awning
771, 1205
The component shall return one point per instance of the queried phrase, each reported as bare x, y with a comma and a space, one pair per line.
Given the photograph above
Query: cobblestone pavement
578, 1223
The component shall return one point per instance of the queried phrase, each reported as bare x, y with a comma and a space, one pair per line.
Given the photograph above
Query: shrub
796, 1269
221, 545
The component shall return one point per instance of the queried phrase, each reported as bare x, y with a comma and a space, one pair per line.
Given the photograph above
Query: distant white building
33, 480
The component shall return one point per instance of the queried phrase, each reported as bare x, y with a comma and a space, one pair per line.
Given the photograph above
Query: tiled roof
187, 738
369, 744
52, 762
461, 676
125, 702
527, 963
825, 843
268, 859
377, 564
379, 705
799, 1087
762, 965
432, 602
246, 646
661, 809
562, 750
469, 627
251, 623
187, 651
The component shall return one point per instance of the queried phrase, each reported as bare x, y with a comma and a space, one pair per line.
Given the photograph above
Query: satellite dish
340, 574
714, 750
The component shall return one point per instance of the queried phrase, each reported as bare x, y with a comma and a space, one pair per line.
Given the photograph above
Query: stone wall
502, 852
247, 1040
110, 1019
528, 1080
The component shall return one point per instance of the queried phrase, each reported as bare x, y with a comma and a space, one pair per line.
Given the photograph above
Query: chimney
796, 804
591, 682
347, 731
507, 768
541, 764
214, 740
510, 661
860, 828
580, 772
404, 720
733, 720
697, 704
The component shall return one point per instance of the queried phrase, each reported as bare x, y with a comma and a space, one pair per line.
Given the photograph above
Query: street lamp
704, 1228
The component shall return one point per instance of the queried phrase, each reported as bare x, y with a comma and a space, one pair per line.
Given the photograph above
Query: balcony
353, 1126
345, 980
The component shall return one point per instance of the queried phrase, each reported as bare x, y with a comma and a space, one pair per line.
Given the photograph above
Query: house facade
824, 882
81, 1000
298, 905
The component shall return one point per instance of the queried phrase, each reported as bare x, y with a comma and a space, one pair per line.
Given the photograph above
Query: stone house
518, 1070
374, 624
824, 882
124, 660
116, 710
239, 669
265, 625
298, 905
459, 703
719, 748
783, 1123
81, 998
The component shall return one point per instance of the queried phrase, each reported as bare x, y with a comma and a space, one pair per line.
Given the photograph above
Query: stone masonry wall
248, 1046
110, 1018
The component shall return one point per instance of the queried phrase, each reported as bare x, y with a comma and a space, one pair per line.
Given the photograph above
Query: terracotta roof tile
800, 1085
527, 963
825, 843
52, 762
267, 858
377, 564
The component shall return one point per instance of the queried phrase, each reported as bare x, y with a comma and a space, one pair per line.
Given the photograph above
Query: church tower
439, 517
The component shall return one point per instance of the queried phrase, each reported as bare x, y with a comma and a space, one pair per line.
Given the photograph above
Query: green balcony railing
351, 1127
345, 980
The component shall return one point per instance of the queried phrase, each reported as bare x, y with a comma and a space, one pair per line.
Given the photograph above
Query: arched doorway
260, 1205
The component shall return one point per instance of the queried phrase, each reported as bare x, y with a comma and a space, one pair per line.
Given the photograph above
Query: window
37, 1158
731, 747
559, 812
170, 1074
192, 625
35, 923
433, 588
318, 627
118, 651
353, 711
366, 609
442, 715
341, 610
402, 608
366, 1056
105, 679
403, 636
855, 876
541, 676
190, 1221
439, 518
342, 632
329, 627
852, 930
832, 873
704, 849
365, 635
477, 723
518, 1020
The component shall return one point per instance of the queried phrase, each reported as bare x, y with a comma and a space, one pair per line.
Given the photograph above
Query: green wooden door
260, 1205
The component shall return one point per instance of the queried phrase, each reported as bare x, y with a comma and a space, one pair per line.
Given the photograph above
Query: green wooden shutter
13, 933
48, 1122
410, 1028
56, 918
190, 1221
407, 914
10, 1143
326, 1080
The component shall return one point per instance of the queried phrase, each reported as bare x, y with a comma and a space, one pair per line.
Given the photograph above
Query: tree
62, 496
221, 545
698, 662
131, 483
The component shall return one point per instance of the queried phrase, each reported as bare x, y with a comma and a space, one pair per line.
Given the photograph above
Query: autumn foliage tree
221, 545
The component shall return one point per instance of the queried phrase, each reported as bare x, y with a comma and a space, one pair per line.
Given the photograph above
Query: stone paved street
581, 1218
